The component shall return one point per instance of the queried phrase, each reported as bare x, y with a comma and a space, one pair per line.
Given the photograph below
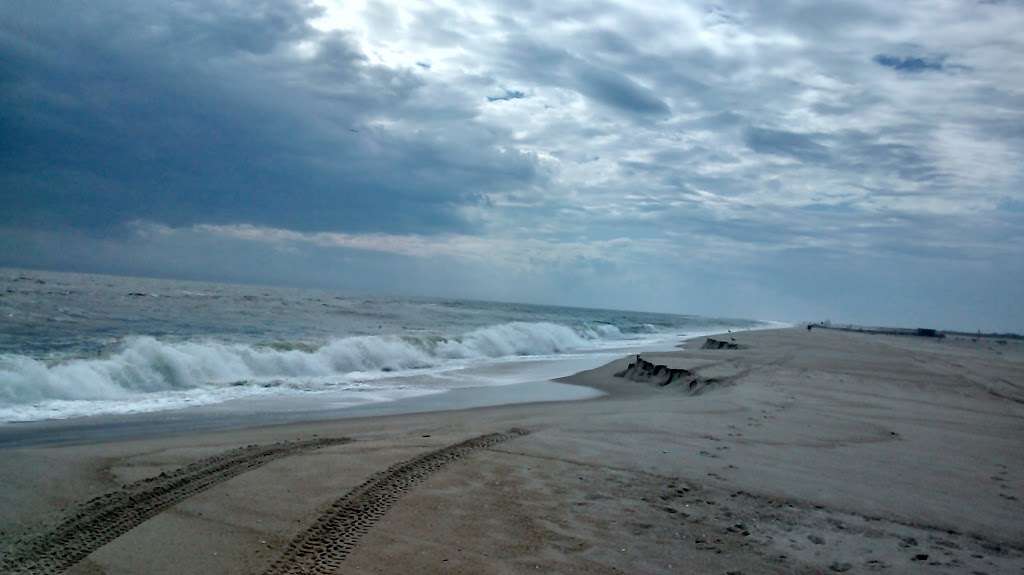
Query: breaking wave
145, 365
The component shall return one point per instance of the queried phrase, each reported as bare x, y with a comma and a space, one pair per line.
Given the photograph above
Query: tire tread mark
102, 519
322, 547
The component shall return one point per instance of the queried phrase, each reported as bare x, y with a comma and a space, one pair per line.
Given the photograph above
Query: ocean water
74, 345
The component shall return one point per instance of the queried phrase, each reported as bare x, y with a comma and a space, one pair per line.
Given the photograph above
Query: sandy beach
800, 452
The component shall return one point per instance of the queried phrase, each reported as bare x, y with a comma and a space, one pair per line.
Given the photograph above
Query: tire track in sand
102, 519
322, 547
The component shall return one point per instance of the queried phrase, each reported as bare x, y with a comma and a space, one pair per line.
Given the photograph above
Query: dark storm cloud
197, 111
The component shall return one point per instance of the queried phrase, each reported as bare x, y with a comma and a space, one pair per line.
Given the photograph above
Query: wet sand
801, 452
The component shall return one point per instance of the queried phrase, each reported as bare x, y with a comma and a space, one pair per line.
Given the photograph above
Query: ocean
76, 345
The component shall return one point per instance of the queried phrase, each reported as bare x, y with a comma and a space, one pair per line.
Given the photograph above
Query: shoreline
800, 453
538, 386
142, 426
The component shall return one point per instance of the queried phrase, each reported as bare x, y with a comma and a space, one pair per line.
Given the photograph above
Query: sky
791, 160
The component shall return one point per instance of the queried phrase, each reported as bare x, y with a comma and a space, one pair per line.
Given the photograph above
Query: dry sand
804, 452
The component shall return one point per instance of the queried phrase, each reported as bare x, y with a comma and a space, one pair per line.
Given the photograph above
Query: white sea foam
148, 374
74, 344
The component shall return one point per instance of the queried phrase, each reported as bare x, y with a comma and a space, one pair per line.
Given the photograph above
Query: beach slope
797, 452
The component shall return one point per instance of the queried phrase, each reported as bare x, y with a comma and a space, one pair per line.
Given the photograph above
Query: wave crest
148, 365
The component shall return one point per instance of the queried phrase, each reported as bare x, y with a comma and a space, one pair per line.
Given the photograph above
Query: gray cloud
910, 64
508, 95
745, 147
799, 146
210, 118
618, 91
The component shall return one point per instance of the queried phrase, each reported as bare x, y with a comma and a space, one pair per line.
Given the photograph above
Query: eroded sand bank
801, 452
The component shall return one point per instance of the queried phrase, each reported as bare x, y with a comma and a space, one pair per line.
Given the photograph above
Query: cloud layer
744, 149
